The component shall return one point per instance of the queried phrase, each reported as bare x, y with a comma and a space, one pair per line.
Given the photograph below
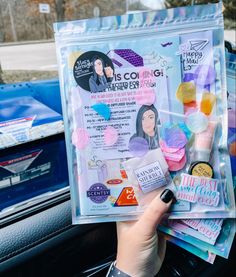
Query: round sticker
114, 182
138, 146
203, 169
110, 136
93, 71
98, 193
80, 138
197, 122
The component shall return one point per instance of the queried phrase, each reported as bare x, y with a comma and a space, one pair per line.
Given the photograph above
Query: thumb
154, 212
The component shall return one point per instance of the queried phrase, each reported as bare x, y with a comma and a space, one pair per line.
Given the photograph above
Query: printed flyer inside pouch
115, 116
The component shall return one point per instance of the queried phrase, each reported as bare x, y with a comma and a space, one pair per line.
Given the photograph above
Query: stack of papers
208, 238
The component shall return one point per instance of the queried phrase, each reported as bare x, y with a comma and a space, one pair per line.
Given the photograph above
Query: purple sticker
232, 118
138, 147
204, 75
166, 44
98, 193
188, 77
175, 137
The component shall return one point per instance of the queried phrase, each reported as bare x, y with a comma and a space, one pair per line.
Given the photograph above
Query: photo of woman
101, 76
146, 125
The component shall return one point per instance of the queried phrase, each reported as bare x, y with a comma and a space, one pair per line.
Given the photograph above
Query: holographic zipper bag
144, 106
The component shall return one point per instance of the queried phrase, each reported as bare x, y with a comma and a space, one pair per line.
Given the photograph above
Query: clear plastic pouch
143, 83
213, 235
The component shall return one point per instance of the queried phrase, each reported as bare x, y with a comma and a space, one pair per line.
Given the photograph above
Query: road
42, 56
35, 56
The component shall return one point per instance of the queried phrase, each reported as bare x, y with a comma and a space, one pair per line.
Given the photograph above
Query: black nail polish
167, 195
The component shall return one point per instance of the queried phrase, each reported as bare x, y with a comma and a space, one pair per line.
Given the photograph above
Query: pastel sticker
110, 136
185, 129
198, 190
186, 92
138, 147
175, 166
176, 156
80, 138
103, 110
204, 75
197, 122
207, 102
167, 149
175, 137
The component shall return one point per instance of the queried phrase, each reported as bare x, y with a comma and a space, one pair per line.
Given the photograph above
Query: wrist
114, 271
124, 265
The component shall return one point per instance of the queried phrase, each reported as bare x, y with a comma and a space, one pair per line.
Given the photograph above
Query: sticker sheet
144, 105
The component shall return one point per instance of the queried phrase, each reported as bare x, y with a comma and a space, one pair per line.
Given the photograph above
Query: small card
150, 177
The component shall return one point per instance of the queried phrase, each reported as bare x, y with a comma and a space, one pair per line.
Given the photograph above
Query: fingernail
167, 195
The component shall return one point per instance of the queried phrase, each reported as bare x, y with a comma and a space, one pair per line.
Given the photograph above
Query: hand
109, 72
140, 251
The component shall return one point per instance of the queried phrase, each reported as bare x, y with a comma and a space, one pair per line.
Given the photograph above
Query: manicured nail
167, 195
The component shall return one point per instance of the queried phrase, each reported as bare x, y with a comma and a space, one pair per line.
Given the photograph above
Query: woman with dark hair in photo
146, 125
101, 77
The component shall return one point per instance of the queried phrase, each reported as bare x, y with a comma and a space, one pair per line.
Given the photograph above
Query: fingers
123, 227
154, 212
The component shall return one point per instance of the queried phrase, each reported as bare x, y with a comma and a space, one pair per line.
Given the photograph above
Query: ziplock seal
139, 23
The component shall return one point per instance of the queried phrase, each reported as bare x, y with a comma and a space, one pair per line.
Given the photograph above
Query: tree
230, 9
1, 79
60, 9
